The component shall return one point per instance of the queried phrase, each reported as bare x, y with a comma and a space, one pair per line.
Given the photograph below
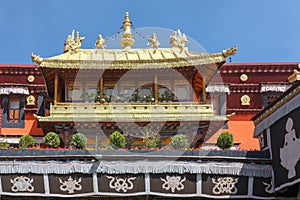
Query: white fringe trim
135, 167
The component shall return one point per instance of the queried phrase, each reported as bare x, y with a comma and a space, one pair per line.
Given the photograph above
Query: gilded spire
127, 41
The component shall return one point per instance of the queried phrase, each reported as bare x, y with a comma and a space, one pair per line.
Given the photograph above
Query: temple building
22, 92
146, 91
252, 86
140, 81
248, 88
161, 90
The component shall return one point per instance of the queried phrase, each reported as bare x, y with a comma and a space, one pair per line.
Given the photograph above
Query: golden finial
127, 22
127, 41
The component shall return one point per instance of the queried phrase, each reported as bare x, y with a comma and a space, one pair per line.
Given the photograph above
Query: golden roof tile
134, 58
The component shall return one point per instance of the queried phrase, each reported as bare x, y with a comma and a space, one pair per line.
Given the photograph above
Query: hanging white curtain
14, 90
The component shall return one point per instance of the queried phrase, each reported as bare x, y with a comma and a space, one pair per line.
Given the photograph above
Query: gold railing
132, 112
132, 108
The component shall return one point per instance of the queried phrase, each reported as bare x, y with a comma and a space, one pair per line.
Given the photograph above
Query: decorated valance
273, 88
14, 90
162, 184
135, 178
218, 88
134, 167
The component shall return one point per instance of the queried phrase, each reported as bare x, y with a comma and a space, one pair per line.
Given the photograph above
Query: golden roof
133, 58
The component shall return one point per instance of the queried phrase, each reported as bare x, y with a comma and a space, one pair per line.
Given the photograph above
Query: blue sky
263, 30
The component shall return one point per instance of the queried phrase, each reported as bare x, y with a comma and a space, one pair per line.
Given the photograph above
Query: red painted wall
258, 73
17, 75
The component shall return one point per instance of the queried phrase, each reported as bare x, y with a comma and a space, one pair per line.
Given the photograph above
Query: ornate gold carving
245, 100
229, 51
127, 41
100, 43
72, 44
294, 77
178, 40
244, 77
36, 58
153, 41
30, 100
141, 112
30, 78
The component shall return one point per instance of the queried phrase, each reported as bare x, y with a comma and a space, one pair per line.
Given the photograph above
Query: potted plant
169, 96
148, 98
107, 98
4, 145
225, 140
79, 141
163, 97
134, 97
91, 97
179, 141
152, 141
52, 140
83, 96
97, 97
26, 141
117, 139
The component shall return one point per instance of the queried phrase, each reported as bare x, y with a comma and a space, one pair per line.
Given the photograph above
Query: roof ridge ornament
229, 51
178, 40
72, 44
100, 42
294, 77
36, 58
153, 41
127, 41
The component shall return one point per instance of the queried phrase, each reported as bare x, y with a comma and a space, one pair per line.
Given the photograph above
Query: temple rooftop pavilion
102, 77
158, 98
128, 58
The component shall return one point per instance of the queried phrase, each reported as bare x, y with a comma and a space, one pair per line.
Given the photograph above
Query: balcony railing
137, 112
142, 108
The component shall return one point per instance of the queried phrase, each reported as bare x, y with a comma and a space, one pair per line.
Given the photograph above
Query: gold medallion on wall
30, 78
244, 77
245, 100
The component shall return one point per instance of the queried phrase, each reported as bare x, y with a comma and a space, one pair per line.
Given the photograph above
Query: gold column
204, 90
155, 89
101, 88
172, 82
55, 87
